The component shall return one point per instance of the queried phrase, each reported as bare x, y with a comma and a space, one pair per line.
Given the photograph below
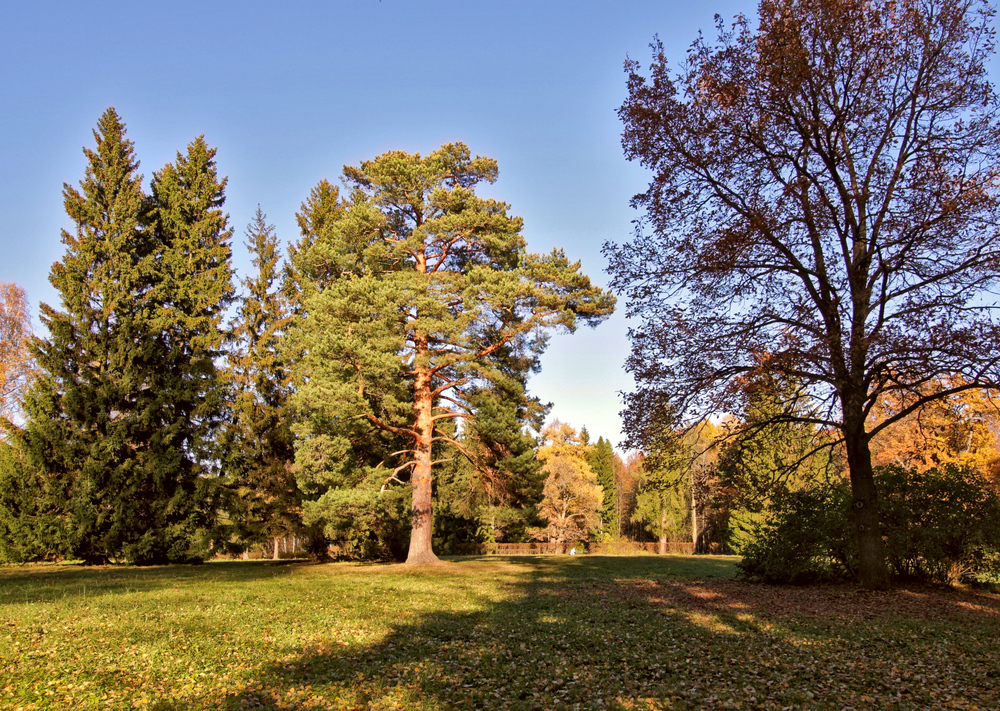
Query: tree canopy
824, 205
16, 363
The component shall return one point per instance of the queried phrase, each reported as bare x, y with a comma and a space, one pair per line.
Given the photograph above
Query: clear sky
290, 92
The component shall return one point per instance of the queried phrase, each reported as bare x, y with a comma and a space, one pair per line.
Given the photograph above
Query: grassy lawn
521, 633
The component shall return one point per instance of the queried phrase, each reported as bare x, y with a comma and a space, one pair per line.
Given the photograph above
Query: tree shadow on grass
48, 583
638, 633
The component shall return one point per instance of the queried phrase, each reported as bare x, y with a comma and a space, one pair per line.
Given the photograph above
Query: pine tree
434, 296
259, 444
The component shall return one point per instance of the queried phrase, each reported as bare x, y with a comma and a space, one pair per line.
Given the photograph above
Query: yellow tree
960, 429
16, 363
572, 499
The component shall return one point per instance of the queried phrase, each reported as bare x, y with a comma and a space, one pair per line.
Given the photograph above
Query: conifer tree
433, 296
312, 261
121, 414
259, 443
193, 290
601, 459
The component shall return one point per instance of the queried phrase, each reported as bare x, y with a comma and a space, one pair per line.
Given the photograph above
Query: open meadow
545, 632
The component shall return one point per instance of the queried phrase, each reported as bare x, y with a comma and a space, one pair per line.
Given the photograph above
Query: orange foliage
962, 429
16, 365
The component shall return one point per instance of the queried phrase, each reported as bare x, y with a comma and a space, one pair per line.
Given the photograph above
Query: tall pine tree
435, 297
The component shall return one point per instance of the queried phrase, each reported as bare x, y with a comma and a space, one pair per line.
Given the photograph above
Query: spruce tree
601, 459
259, 443
85, 427
193, 289
117, 419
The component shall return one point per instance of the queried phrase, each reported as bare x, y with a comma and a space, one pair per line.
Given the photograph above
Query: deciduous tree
824, 190
16, 363
962, 429
572, 500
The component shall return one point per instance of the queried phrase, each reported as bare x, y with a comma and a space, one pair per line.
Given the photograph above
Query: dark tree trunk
663, 529
872, 570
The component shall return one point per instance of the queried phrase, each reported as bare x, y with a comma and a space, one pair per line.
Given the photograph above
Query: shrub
363, 524
802, 538
942, 525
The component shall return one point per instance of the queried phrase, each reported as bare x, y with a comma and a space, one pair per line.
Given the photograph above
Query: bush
942, 525
803, 538
363, 524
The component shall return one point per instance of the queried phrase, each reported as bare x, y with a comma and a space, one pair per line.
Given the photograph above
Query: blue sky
290, 92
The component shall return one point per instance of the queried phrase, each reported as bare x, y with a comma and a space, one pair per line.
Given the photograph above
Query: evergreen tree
493, 495
259, 445
433, 297
773, 448
313, 261
601, 459
193, 290
120, 415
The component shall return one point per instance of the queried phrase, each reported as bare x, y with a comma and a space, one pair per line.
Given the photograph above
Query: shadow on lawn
640, 634
48, 583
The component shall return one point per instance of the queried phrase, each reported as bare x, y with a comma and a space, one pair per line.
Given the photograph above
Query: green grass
522, 633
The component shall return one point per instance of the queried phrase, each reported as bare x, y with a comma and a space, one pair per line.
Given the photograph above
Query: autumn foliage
16, 363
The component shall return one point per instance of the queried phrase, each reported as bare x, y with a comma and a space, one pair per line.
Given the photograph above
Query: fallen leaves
612, 633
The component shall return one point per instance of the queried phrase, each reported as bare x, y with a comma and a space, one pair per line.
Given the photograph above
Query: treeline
382, 365
366, 396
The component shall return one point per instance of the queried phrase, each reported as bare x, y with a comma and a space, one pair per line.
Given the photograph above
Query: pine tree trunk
275, 555
872, 570
421, 512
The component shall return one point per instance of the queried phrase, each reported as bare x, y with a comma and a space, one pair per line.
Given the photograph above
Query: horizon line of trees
817, 255
167, 416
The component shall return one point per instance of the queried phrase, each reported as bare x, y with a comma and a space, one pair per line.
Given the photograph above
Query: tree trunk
872, 570
663, 529
275, 556
694, 517
421, 511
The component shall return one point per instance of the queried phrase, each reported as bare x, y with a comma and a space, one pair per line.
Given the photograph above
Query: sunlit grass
524, 633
